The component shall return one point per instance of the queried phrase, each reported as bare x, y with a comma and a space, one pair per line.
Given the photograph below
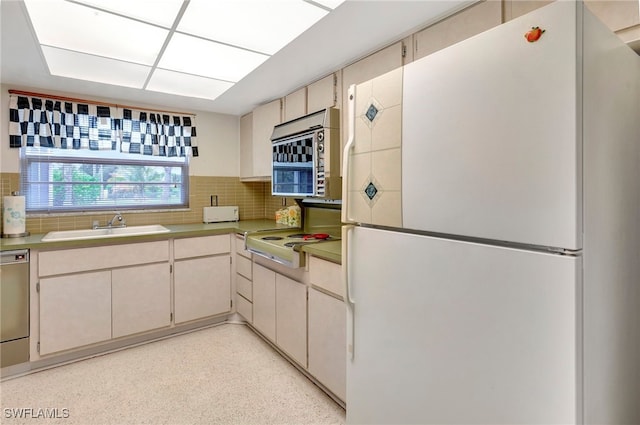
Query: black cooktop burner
298, 235
292, 244
272, 238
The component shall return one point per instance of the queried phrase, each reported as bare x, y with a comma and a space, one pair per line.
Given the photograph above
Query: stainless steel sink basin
114, 232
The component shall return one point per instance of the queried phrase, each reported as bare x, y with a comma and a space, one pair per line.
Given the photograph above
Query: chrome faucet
117, 217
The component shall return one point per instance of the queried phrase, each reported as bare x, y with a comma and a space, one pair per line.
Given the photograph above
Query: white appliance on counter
493, 265
220, 214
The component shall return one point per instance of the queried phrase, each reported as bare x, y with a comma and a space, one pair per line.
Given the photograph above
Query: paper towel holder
12, 235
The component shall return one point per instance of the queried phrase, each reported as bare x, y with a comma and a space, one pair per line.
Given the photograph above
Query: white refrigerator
492, 252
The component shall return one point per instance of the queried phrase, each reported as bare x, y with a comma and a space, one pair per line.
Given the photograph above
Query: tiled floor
220, 375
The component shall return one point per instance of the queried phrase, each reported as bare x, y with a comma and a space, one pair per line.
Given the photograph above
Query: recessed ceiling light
186, 85
66, 63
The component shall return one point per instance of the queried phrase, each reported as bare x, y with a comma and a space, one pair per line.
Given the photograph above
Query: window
77, 155
58, 180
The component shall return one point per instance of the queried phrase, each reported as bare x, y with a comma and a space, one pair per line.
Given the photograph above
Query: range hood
310, 122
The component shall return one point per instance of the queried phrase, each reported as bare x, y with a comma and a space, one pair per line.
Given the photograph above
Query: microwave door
293, 179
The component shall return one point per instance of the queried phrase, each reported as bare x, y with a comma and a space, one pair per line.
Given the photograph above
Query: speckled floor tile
221, 375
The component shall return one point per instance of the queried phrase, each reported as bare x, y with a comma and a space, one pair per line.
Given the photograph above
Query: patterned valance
69, 125
153, 133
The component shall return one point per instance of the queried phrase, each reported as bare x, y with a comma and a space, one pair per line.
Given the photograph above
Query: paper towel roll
13, 215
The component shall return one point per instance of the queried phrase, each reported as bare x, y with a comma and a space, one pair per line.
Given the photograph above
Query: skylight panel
159, 12
186, 85
259, 25
74, 27
209, 59
65, 63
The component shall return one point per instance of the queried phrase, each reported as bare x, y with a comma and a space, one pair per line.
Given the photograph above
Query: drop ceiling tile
186, 85
75, 27
209, 59
262, 26
65, 63
159, 12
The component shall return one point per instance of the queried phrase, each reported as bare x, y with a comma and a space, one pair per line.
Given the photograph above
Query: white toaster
218, 214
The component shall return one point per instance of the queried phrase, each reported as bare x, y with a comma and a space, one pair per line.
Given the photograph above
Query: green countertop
331, 251
327, 250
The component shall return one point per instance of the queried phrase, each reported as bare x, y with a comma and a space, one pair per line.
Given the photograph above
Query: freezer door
490, 136
455, 332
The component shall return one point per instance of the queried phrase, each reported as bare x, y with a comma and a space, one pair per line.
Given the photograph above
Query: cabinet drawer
243, 267
240, 247
201, 246
244, 287
326, 275
101, 257
245, 308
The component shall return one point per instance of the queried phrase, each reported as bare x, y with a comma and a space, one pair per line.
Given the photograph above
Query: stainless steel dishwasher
14, 303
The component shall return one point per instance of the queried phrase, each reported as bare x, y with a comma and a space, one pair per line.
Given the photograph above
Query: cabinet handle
351, 118
346, 230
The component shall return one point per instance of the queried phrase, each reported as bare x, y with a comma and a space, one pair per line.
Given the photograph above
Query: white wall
218, 136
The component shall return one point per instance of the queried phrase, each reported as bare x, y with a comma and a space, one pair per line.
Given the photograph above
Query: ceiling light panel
259, 25
186, 85
331, 4
159, 12
209, 59
71, 26
65, 63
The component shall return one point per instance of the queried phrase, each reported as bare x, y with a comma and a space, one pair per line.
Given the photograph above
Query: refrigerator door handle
346, 230
351, 118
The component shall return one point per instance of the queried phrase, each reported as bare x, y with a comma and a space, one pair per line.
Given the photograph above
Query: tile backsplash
253, 199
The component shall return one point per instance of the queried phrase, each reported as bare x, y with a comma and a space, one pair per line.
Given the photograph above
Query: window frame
110, 158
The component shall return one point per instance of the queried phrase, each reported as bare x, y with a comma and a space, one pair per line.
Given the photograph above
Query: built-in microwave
306, 156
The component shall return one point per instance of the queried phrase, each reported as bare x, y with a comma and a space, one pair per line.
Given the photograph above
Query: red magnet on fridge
534, 34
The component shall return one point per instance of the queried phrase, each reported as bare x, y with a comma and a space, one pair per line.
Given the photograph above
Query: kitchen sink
113, 232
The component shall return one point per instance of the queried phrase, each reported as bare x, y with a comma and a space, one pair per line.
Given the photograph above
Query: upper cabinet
246, 146
464, 24
618, 15
295, 104
263, 119
323, 93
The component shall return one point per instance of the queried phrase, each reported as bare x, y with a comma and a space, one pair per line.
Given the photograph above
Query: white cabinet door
291, 318
467, 23
323, 93
328, 341
141, 298
202, 287
75, 310
295, 104
265, 117
264, 301
246, 146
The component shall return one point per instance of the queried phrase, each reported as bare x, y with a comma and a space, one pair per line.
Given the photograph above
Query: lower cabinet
306, 318
202, 287
327, 341
75, 310
140, 299
201, 277
291, 318
264, 301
